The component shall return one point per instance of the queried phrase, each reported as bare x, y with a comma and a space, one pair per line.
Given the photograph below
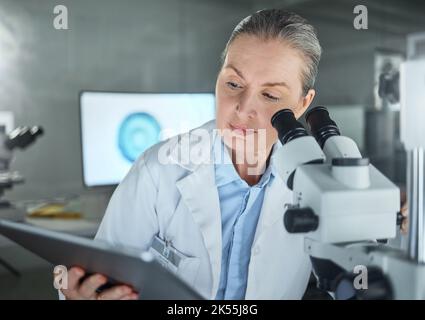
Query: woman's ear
305, 103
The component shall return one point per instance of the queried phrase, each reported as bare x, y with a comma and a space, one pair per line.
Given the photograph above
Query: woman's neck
249, 172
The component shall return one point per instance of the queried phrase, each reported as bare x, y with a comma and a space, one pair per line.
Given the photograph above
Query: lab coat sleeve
130, 218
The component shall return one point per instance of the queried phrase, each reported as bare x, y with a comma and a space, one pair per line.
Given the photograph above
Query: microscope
347, 210
21, 137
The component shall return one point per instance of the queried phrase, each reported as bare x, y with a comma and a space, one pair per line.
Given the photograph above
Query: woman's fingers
405, 223
132, 296
404, 210
89, 286
115, 293
405, 227
74, 276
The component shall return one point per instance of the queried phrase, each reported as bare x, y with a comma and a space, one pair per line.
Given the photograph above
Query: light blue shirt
240, 206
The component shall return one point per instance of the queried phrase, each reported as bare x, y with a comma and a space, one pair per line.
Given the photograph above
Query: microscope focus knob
299, 220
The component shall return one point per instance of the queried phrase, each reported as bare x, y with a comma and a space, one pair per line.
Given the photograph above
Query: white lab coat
179, 202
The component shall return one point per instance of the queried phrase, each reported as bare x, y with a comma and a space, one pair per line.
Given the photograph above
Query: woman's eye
269, 96
233, 85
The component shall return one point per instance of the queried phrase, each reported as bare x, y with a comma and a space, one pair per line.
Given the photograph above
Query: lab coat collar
194, 148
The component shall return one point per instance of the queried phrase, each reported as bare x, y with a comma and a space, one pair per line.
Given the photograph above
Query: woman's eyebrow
274, 84
236, 70
267, 84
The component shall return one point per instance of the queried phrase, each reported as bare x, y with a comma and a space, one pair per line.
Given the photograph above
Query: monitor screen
116, 128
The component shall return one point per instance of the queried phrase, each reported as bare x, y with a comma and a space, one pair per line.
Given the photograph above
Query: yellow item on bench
54, 210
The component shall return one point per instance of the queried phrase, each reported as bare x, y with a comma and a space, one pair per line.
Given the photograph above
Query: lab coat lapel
275, 198
277, 194
200, 194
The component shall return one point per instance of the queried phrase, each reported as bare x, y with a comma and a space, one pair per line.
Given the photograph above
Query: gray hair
287, 26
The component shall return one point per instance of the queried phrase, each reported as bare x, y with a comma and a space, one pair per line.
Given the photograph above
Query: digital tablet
121, 265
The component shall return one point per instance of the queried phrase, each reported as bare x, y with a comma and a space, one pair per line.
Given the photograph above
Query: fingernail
79, 272
126, 290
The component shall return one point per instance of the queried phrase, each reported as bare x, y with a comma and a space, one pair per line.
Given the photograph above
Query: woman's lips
241, 129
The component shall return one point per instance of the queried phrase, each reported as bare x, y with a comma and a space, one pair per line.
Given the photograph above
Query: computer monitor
116, 128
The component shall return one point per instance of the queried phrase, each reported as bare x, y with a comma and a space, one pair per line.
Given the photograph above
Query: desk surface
81, 227
86, 227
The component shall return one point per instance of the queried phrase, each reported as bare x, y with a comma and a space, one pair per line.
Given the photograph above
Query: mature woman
223, 212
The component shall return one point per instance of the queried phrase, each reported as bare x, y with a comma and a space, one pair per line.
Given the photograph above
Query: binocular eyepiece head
322, 127
288, 128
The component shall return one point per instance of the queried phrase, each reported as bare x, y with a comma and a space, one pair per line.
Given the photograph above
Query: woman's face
257, 79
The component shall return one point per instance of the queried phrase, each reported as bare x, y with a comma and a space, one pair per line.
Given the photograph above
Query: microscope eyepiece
321, 125
288, 128
21, 137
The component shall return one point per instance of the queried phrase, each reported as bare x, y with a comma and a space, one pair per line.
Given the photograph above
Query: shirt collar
225, 172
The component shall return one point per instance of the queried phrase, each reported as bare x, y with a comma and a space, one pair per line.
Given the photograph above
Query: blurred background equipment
131, 123
383, 144
20, 138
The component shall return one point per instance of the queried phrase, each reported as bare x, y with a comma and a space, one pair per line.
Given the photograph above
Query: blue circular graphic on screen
137, 132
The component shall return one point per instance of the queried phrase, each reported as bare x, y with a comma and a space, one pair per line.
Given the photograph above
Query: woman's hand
86, 290
404, 227
405, 222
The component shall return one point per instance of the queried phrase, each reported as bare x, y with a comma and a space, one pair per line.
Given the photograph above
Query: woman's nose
246, 106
